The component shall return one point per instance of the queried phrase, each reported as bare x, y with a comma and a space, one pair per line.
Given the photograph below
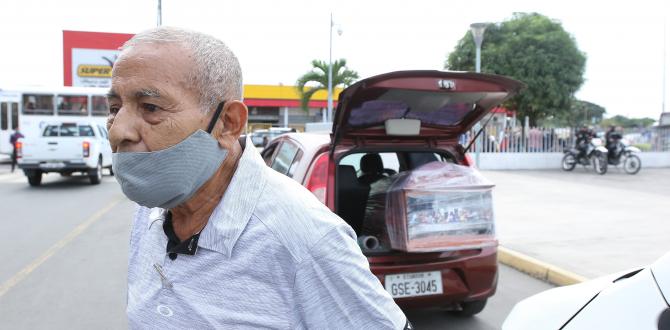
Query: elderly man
220, 240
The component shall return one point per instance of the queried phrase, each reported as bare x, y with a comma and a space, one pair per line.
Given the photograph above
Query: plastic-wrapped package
436, 207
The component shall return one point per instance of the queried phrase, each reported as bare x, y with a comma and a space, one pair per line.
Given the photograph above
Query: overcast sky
276, 40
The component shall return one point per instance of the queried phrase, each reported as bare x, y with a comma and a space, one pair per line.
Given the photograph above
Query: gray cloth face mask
169, 177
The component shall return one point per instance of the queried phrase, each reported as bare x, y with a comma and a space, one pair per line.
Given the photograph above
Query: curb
538, 269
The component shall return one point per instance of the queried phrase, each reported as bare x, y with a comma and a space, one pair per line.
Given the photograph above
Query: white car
66, 148
635, 299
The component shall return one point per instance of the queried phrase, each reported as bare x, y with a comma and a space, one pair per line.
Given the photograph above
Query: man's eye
150, 107
113, 109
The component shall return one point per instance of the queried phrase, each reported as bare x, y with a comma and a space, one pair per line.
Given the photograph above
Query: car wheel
34, 178
470, 308
569, 162
96, 176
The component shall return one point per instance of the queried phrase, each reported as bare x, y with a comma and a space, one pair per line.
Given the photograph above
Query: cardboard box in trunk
436, 207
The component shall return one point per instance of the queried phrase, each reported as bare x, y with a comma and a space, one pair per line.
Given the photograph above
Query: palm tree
319, 74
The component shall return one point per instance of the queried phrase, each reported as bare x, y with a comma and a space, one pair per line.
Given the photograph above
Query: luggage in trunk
436, 207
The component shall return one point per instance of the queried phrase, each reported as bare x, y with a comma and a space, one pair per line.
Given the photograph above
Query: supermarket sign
88, 57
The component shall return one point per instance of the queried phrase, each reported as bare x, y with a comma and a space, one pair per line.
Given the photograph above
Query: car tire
470, 308
34, 178
96, 176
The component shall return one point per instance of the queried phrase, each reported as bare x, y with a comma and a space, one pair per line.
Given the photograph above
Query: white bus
31, 108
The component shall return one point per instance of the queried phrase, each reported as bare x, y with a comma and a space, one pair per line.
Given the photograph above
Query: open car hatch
418, 104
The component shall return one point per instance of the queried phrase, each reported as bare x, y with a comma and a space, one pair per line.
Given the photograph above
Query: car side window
269, 152
285, 155
103, 132
86, 131
294, 164
51, 130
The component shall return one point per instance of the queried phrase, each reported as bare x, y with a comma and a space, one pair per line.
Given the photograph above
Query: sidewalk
585, 223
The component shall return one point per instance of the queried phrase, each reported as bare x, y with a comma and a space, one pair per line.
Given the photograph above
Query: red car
388, 124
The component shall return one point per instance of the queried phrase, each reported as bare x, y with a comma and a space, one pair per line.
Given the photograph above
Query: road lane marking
23, 273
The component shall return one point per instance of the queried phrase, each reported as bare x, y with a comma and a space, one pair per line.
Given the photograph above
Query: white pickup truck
66, 148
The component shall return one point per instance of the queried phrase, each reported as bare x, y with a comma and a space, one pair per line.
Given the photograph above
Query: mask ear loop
217, 113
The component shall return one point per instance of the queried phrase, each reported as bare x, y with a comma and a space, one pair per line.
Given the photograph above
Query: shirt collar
230, 217
232, 214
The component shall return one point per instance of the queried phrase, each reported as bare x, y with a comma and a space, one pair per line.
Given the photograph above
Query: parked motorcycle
621, 153
592, 153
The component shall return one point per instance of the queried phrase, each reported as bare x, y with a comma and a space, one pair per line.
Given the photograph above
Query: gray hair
217, 76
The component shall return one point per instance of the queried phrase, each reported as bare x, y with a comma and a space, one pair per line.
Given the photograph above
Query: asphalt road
589, 224
63, 249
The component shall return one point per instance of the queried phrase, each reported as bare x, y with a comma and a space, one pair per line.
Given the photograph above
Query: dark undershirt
174, 246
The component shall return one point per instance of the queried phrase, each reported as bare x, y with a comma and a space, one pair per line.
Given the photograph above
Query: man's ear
231, 124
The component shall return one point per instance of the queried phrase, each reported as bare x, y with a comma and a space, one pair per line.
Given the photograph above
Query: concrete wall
551, 160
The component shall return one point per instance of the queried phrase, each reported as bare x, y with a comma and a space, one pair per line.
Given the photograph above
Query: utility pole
159, 20
665, 41
330, 72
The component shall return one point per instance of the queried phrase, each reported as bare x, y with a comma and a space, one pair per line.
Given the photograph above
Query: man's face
152, 104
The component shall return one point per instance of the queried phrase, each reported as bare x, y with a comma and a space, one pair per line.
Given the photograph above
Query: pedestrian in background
13, 139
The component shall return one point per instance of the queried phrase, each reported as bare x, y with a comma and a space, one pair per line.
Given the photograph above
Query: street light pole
664, 64
330, 72
477, 30
159, 20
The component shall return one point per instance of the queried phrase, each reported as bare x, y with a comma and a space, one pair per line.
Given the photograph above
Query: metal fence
538, 139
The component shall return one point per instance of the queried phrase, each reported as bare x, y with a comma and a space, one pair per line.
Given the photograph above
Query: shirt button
164, 310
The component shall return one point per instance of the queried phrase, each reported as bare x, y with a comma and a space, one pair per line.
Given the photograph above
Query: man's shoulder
294, 215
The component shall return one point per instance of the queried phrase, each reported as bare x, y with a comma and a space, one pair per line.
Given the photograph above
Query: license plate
52, 165
413, 284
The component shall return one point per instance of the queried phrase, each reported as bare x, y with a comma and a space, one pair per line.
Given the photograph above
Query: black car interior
372, 168
352, 188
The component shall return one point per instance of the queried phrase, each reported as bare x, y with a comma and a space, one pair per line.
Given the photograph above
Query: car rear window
68, 130
431, 108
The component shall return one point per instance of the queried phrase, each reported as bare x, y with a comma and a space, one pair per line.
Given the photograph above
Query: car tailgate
53, 149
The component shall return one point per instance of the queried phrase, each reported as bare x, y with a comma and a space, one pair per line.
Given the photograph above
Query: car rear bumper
65, 166
466, 275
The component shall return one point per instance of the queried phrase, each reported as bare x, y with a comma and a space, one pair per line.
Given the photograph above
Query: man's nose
124, 132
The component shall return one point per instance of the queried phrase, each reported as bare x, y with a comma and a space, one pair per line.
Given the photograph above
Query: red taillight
19, 149
318, 178
467, 161
87, 148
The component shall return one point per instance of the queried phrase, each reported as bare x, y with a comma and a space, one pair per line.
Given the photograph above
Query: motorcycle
621, 153
593, 154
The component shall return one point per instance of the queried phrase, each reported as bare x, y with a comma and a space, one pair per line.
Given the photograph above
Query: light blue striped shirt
271, 256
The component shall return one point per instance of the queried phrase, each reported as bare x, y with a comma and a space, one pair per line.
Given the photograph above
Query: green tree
535, 50
584, 113
317, 79
624, 121
581, 113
